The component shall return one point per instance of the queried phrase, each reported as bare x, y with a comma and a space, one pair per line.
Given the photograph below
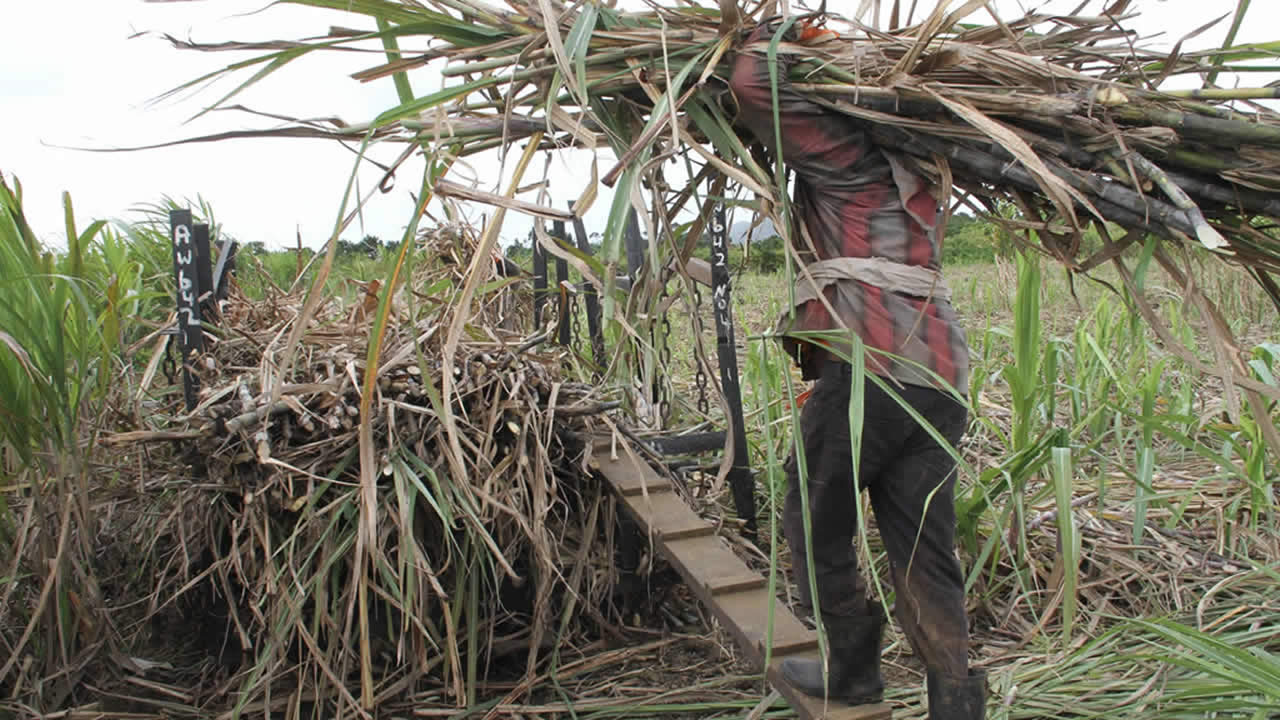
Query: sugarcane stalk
490, 16
1088, 183
1204, 232
1186, 104
888, 100
1120, 172
594, 59
1123, 197
1249, 200
874, 98
1126, 217
1216, 131
1202, 162
1262, 93
631, 38
462, 128
986, 166
479, 66
446, 188
546, 70
501, 47
481, 146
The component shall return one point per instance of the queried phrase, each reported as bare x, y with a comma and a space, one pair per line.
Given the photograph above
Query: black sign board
225, 268
539, 278
562, 284
204, 269
740, 475
187, 276
592, 302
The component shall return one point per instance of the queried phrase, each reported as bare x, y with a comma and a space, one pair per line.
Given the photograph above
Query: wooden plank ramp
734, 593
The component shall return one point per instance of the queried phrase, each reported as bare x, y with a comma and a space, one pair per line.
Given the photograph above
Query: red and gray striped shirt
856, 200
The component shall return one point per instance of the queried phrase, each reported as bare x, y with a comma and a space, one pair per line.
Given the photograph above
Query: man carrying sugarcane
869, 237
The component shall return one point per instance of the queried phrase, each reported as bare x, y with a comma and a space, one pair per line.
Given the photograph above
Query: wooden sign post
186, 273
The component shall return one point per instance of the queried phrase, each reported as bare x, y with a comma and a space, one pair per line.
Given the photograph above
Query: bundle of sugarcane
1059, 115
484, 548
1054, 124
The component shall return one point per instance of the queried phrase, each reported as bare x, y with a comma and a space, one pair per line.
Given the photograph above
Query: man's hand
813, 33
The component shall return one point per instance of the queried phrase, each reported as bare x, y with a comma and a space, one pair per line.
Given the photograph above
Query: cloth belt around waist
914, 280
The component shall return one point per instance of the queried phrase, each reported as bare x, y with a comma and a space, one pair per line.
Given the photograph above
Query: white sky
71, 76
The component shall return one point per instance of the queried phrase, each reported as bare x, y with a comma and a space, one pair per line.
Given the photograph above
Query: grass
1090, 445
66, 321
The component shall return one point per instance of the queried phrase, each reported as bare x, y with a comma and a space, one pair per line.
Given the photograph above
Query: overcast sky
70, 75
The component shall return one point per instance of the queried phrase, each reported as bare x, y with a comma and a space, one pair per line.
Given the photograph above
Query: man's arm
820, 144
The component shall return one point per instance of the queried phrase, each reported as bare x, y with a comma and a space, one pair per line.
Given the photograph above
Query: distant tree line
370, 246
967, 240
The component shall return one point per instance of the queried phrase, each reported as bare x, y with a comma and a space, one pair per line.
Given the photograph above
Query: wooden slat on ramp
737, 595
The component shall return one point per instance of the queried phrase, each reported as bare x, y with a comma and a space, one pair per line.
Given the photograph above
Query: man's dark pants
910, 478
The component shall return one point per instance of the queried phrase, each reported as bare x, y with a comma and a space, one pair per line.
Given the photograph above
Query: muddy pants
910, 478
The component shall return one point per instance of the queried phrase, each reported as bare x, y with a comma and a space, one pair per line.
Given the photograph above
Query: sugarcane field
642, 359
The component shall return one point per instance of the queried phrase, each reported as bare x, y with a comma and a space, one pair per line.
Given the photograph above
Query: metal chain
700, 375
664, 355
575, 321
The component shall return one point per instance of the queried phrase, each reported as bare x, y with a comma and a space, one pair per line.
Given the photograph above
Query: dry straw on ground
495, 562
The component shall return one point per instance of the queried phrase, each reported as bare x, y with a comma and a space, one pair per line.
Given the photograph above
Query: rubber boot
854, 662
955, 698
